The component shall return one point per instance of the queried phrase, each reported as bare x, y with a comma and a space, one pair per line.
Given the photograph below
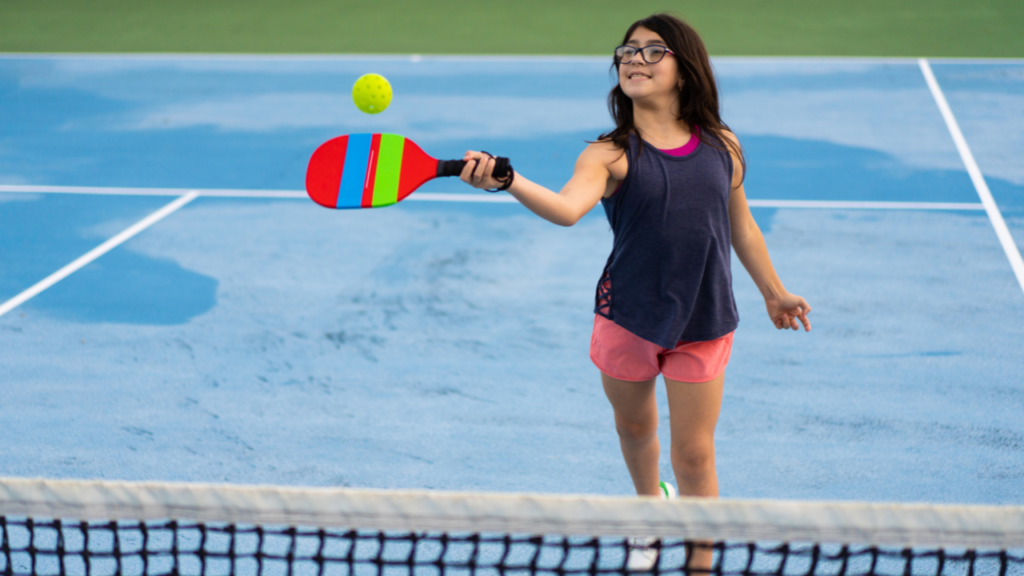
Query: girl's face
640, 79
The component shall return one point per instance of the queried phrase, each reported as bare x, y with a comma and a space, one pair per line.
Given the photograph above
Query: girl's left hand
787, 309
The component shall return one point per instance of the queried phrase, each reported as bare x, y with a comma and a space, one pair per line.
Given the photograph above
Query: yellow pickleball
371, 93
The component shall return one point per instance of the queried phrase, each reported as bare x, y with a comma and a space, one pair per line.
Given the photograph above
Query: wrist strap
507, 181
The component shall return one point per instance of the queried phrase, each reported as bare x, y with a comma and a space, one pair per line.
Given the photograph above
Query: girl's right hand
478, 170
590, 180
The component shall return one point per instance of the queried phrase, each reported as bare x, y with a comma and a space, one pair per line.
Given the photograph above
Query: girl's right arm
591, 179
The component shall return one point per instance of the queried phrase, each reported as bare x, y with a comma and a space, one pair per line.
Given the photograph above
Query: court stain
43, 233
124, 287
781, 168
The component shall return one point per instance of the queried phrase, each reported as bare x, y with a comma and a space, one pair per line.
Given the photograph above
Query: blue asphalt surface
444, 345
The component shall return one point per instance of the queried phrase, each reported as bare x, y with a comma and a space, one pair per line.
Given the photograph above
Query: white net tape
692, 518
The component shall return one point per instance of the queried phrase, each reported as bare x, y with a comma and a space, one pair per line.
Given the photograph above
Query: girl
670, 178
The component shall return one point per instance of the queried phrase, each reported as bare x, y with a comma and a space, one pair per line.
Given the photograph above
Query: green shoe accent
667, 490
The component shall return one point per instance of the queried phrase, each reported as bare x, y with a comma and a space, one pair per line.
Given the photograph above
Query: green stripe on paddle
389, 168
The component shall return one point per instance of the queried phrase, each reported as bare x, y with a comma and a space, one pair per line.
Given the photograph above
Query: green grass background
932, 28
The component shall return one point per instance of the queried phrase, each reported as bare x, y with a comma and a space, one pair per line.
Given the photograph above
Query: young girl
670, 177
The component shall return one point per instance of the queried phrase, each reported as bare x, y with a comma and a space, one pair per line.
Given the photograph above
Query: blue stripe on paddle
353, 176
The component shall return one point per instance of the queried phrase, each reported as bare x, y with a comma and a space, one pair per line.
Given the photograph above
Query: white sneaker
643, 550
642, 554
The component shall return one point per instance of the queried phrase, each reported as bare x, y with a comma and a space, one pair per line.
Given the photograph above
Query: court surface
254, 337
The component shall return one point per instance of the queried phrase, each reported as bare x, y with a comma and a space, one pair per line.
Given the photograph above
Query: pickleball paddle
373, 170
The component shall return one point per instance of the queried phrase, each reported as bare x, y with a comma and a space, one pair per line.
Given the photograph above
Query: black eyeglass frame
640, 51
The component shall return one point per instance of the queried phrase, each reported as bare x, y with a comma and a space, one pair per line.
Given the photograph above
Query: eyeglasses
651, 54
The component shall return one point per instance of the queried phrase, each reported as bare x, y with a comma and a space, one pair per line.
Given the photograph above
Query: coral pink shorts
625, 356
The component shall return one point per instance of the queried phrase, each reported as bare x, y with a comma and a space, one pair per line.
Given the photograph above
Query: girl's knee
693, 457
636, 431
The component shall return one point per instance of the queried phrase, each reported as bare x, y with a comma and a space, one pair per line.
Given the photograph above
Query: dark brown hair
698, 97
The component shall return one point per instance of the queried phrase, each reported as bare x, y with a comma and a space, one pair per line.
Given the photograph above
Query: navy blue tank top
669, 276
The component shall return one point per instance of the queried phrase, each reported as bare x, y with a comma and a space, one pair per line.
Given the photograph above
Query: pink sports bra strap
690, 145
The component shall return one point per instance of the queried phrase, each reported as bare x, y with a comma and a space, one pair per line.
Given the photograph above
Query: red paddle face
367, 171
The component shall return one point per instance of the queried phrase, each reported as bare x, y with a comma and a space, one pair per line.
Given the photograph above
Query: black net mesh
56, 547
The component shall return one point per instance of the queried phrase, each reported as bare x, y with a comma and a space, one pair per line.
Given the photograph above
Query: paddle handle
502, 168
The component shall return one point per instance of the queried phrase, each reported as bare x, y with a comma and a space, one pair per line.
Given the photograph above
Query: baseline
271, 57
96, 252
1002, 231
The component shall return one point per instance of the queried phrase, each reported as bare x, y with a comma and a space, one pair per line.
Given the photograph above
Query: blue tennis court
243, 334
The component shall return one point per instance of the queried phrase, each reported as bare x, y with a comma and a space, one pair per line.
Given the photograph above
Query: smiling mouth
638, 75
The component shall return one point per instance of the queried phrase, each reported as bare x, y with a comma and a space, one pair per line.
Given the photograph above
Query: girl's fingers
805, 321
478, 169
483, 169
803, 311
792, 318
467, 171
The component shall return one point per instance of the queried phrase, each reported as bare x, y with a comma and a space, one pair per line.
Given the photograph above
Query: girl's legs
636, 421
693, 410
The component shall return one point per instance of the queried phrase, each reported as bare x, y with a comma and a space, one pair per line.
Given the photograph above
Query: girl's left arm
783, 308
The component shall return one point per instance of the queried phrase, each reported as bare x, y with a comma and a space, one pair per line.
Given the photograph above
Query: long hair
698, 97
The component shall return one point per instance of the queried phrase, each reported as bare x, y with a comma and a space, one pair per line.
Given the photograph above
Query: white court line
444, 197
1002, 231
226, 193
856, 205
96, 252
448, 197
268, 57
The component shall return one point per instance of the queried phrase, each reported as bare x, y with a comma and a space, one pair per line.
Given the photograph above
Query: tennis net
60, 527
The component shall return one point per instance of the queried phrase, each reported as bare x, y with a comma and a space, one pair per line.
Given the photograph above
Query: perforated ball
371, 93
